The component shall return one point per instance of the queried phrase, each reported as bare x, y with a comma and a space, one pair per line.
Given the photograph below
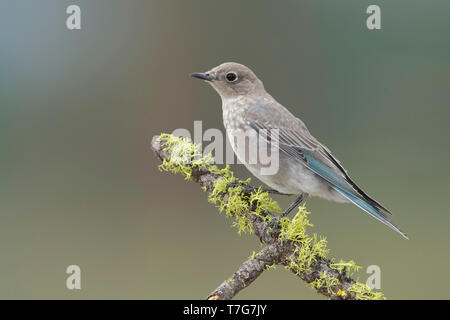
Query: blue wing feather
327, 173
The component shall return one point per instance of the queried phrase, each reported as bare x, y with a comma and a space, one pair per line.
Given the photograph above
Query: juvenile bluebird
305, 166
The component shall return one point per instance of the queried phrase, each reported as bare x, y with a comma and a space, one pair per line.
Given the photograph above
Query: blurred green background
79, 183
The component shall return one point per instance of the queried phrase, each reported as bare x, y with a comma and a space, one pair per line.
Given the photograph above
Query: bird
306, 167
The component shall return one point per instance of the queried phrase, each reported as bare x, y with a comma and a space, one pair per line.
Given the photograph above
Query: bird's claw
273, 224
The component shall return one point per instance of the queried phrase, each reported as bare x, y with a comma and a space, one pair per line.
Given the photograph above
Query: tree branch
246, 274
291, 248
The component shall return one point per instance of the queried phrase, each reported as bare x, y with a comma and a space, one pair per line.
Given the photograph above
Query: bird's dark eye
231, 77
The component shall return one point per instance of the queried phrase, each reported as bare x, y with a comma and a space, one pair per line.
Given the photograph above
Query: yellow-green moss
237, 203
263, 202
345, 266
307, 249
235, 206
341, 293
362, 291
295, 230
254, 255
184, 155
270, 266
326, 281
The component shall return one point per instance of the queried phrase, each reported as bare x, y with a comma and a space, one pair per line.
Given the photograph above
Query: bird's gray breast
261, 159
240, 134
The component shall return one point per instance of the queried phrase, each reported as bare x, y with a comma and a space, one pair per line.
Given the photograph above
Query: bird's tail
364, 205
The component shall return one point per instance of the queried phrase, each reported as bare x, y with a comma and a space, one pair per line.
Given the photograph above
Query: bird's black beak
202, 75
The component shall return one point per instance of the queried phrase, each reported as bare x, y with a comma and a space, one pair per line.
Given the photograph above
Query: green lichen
185, 157
362, 291
328, 282
341, 293
270, 266
348, 267
295, 230
263, 203
307, 249
254, 255
237, 204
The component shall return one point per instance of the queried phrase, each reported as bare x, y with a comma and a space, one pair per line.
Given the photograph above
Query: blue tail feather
370, 210
341, 185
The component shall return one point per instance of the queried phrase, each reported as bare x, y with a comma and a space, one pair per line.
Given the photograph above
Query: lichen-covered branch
291, 246
247, 273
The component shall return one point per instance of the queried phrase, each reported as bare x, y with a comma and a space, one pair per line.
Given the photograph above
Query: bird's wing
279, 126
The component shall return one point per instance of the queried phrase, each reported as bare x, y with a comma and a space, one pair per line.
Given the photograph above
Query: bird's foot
273, 225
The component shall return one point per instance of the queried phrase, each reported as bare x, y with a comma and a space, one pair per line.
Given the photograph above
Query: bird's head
231, 80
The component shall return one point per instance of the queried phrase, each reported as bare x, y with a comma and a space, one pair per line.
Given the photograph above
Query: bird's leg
274, 224
249, 189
